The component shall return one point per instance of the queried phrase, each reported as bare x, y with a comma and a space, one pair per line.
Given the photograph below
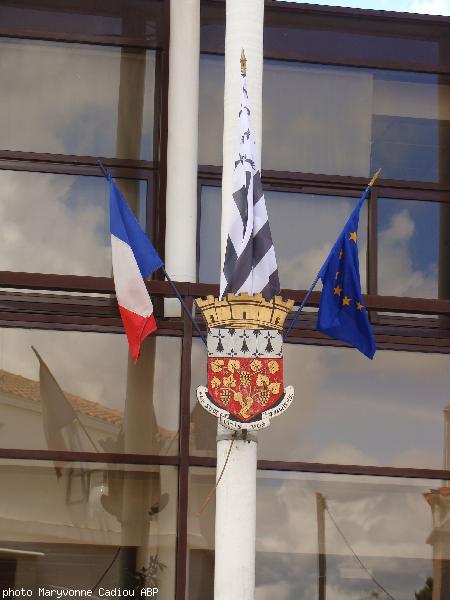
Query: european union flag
342, 314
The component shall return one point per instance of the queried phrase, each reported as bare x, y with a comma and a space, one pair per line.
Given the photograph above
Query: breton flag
58, 416
250, 264
133, 258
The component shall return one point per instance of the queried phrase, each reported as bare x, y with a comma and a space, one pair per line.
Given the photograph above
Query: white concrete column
235, 530
234, 569
182, 144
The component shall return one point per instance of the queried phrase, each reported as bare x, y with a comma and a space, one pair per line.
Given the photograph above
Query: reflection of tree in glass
426, 592
147, 576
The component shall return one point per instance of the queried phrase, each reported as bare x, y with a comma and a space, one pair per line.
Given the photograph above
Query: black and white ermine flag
250, 264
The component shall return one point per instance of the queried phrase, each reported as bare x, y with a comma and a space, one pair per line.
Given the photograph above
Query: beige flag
58, 415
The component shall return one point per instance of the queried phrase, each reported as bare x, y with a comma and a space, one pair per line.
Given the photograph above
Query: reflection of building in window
439, 501
439, 539
21, 420
408, 123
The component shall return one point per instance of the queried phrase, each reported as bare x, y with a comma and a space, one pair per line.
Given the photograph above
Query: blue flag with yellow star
342, 314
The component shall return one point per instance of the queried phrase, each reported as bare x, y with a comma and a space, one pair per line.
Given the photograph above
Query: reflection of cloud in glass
386, 521
55, 223
63, 98
408, 248
304, 228
349, 410
316, 119
337, 120
428, 7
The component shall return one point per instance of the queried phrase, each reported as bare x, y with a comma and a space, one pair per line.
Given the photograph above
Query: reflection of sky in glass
386, 521
56, 223
63, 98
304, 228
350, 410
408, 247
338, 120
428, 7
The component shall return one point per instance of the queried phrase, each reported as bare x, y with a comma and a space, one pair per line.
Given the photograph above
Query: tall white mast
236, 493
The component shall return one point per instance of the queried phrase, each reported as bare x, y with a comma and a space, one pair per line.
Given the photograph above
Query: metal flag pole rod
86, 433
300, 308
77, 418
185, 308
107, 174
314, 283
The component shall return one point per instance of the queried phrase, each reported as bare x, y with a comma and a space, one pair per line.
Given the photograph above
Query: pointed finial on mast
374, 178
243, 63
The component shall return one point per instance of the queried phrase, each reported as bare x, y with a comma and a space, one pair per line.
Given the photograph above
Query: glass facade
345, 405
44, 216
339, 120
66, 530
304, 225
105, 464
412, 246
376, 534
119, 407
67, 99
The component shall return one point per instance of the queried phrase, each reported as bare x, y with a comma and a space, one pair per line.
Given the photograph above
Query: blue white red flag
133, 258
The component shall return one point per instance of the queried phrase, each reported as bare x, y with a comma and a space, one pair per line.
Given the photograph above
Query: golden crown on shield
242, 311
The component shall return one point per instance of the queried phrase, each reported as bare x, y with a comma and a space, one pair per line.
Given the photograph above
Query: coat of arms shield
245, 360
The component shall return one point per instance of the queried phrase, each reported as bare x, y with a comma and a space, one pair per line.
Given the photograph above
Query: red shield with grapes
245, 371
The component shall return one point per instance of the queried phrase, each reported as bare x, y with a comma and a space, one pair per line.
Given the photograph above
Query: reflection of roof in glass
29, 389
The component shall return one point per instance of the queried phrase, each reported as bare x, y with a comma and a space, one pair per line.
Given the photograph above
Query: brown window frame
39, 308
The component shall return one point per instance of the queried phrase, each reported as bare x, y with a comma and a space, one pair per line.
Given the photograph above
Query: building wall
344, 92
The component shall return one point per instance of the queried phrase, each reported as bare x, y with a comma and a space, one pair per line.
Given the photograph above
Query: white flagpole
236, 494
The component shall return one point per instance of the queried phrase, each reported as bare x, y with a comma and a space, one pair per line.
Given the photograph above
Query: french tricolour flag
133, 258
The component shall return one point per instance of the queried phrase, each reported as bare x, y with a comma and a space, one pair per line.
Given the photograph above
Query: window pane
324, 36
339, 120
59, 223
348, 410
210, 124
203, 425
413, 248
108, 404
395, 527
317, 119
145, 23
304, 229
63, 524
76, 99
